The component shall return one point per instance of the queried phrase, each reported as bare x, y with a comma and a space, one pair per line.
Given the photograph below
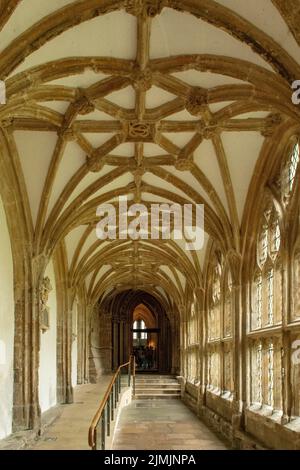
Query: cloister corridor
149, 226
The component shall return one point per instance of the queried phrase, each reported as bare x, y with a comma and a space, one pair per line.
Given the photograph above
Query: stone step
162, 386
154, 396
154, 376
156, 385
137, 379
157, 390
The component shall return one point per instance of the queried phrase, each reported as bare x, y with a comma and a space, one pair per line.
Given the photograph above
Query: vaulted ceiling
159, 100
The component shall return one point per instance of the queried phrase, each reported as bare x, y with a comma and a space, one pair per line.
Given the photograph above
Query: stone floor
145, 424
163, 425
70, 430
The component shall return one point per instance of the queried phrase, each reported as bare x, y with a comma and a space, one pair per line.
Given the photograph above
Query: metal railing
106, 411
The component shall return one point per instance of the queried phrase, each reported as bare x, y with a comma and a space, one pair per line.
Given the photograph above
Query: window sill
294, 424
214, 391
226, 396
193, 382
266, 412
265, 331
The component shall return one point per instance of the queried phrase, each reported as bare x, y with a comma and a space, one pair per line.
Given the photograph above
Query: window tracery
266, 333
220, 328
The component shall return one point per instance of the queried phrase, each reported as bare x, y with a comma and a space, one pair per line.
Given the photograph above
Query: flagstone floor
144, 425
163, 425
70, 430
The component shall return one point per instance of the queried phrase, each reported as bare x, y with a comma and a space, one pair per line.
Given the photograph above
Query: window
266, 312
275, 280
258, 303
296, 286
293, 164
271, 375
263, 244
220, 329
257, 382
270, 284
228, 308
289, 172
139, 325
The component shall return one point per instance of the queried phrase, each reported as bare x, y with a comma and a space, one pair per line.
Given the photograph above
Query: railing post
129, 372
103, 430
133, 376
116, 394
112, 404
108, 417
95, 440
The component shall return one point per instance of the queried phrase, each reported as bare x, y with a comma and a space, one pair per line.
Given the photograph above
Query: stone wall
6, 328
257, 430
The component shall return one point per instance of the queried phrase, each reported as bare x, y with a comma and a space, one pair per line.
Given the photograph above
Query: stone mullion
277, 374
264, 371
199, 319
287, 395
202, 352
222, 348
287, 292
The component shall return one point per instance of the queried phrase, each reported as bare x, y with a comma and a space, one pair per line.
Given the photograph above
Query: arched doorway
125, 320
145, 339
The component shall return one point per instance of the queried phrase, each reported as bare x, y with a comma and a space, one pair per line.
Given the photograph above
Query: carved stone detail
84, 106
139, 131
142, 79
45, 289
150, 8
271, 123
95, 162
183, 164
196, 101
7, 122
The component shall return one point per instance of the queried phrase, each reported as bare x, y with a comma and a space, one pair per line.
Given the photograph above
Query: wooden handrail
99, 412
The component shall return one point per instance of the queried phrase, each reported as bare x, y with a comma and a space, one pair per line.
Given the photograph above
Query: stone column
26, 408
